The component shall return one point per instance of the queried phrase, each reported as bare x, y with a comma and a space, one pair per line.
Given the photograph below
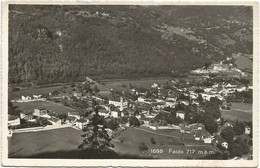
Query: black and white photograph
131, 81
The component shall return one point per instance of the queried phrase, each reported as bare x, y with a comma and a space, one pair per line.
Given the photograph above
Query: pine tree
96, 90
96, 137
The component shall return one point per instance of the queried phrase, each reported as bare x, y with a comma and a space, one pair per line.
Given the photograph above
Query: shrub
228, 134
143, 147
153, 140
239, 128
134, 121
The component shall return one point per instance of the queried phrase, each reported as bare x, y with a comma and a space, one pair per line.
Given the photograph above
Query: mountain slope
62, 43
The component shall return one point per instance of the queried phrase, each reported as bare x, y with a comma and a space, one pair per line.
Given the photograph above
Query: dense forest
50, 44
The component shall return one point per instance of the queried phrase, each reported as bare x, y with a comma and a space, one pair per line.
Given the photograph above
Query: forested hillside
50, 44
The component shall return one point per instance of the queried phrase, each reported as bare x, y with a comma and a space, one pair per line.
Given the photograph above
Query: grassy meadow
129, 140
30, 106
239, 111
32, 143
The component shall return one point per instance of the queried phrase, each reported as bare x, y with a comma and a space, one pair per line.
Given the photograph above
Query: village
190, 108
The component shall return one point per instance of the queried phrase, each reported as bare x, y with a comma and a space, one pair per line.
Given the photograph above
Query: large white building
116, 114
121, 104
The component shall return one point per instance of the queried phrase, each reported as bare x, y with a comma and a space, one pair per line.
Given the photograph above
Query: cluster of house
148, 108
214, 69
29, 98
152, 107
221, 91
200, 133
42, 112
77, 120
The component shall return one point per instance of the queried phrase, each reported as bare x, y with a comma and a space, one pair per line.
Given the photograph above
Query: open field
127, 143
239, 111
104, 85
118, 84
29, 106
32, 143
244, 62
244, 107
32, 91
130, 139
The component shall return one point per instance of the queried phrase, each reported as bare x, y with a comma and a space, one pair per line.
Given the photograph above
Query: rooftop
71, 118
103, 111
82, 120
74, 113
180, 111
113, 98
54, 119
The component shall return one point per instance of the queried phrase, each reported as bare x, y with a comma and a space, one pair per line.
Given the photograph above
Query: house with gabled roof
196, 126
103, 112
116, 113
27, 116
82, 123
39, 111
180, 114
170, 103
203, 135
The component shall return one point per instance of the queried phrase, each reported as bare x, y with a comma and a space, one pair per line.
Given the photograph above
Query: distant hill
50, 44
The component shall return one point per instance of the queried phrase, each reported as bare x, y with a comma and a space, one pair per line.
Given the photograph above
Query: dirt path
42, 128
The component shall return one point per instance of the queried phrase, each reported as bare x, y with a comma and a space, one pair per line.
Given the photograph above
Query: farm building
13, 120
39, 111
27, 116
